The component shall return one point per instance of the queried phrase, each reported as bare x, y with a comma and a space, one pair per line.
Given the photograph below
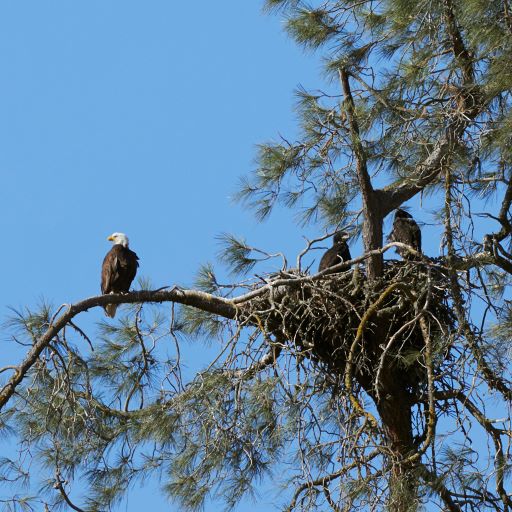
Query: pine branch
436, 484
201, 300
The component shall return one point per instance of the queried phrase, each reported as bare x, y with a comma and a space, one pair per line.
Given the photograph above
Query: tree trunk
373, 235
395, 412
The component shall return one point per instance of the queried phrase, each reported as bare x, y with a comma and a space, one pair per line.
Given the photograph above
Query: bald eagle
406, 231
337, 253
118, 269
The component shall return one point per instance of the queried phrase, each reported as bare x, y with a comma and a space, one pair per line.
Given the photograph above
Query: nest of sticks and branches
382, 327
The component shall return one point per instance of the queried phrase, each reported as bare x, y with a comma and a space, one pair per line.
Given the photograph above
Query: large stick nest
322, 318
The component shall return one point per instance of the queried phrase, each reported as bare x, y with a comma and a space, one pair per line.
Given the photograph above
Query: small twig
82, 333
60, 487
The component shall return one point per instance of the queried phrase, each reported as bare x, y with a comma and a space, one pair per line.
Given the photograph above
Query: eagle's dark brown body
406, 231
117, 273
337, 253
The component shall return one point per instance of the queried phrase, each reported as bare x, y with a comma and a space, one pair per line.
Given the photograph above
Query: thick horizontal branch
206, 302
395, 194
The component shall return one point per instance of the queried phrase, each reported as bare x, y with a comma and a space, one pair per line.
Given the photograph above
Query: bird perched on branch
118, 270
337, 253
405, 230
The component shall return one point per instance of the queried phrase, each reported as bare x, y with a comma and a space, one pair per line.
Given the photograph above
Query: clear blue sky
136, 117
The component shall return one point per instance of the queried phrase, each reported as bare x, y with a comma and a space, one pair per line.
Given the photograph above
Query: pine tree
369, 380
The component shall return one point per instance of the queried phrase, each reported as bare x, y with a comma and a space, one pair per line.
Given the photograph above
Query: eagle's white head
119, 238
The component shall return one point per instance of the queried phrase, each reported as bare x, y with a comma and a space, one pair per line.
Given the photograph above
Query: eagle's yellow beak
110, 238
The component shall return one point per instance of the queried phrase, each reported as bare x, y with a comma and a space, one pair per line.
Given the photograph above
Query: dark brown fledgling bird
118, 269
337, 253
405, 230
